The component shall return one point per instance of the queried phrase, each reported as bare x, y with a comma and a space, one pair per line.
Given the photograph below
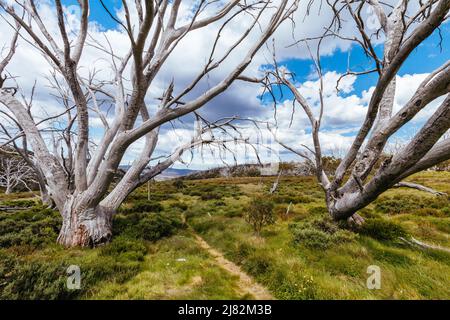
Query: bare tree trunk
45, 196
87, 227
80, 187
344, 197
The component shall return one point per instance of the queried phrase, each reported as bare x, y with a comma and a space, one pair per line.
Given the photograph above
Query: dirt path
246, 283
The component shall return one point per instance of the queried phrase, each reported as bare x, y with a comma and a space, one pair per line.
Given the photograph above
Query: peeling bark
85, 228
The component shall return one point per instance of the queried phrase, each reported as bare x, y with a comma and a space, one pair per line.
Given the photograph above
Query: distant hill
170, 173
241, 170
253, 170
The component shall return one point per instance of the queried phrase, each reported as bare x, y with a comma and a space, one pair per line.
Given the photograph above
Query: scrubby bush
32, 280
210, 196
257, 264
34, 227
179, 205
382, 229
243, 250
259, 213
320, 233
23, 203
244, 171
369, 213
399, 204
157, 226
212, 192
143, 206
151, 227
161, 195
430, 212
17, 195
394, 206
446, 211
123, 249
179, 184
312, 238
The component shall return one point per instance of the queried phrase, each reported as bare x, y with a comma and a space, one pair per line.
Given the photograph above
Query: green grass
303, 255
337, 270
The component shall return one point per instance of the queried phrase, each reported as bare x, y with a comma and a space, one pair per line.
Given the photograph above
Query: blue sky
98, 13
426, 58
244, 101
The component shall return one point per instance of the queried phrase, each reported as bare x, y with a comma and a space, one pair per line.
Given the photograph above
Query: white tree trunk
89, 227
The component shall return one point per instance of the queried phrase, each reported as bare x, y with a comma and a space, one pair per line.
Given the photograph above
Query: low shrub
154, 196
33, 280
156, 226
220, 203
246, 172
430, 212
381, 229
409, 204
179, 205
212, 192
143, 206
369, 213
320, 233
257, 264
178, 184
312, 238
210, 196
446, 211
259, 213
123, 249
23, 203
243, 250
149, 227
33, 227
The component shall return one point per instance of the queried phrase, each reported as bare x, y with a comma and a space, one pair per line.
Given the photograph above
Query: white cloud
343, 110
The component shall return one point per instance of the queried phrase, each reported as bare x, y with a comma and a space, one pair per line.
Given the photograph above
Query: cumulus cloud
344, 110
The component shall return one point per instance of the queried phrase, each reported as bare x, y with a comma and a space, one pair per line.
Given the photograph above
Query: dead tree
15, 173
357, 181
88, 205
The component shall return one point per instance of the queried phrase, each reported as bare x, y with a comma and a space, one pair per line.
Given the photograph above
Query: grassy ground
302, 256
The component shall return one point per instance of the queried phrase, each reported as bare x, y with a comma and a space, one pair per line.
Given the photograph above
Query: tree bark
46, 197
87, 227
